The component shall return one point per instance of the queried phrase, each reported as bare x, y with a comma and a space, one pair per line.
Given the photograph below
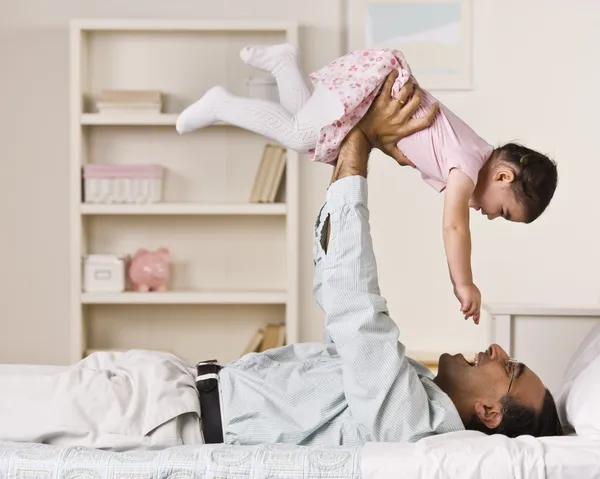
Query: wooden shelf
132, 25
242, 209
132, 119
89, 351
191, 297
135, 119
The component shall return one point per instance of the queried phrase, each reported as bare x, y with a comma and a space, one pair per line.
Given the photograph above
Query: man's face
477, 386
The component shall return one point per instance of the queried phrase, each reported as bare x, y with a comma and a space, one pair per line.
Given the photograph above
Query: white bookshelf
116, 119
189, 209
235, 264
202, 297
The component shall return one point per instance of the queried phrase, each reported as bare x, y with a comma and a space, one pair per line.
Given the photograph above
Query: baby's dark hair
536, 177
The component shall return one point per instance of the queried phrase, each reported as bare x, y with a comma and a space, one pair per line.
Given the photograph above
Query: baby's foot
203, 112
269, 57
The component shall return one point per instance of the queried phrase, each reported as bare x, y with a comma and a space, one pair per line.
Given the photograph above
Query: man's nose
497, 353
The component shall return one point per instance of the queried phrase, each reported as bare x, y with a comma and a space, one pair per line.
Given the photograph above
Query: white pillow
581, 409
579, 396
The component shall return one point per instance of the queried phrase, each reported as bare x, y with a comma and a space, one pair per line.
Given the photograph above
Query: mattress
465, 455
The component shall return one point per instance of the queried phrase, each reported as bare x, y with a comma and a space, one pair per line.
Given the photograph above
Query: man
357, 387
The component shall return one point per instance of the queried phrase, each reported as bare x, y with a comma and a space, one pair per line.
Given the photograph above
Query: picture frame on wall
434, 35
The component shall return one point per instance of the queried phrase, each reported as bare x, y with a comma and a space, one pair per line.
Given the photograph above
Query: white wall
535, 77
34, 153
534, 72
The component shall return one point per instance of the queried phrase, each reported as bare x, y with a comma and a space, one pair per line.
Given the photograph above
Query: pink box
122, 171
114, 184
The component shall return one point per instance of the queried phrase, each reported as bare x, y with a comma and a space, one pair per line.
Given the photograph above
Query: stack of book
130, 101
270, 175
269, 337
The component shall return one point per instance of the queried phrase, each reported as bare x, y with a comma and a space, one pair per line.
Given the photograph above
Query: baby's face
494, 198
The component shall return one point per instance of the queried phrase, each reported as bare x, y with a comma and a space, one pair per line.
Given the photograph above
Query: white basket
106, 184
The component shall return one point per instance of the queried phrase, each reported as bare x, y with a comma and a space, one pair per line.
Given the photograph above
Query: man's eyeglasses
512, 363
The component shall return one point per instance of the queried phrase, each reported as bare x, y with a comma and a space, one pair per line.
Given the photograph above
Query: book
255, 342
272, 168
131, 96
281, 336
274, 337
124, 104
128, 111
260, 179
275, 184
130, 101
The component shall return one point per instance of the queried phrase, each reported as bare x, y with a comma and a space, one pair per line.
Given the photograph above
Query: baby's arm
457, 242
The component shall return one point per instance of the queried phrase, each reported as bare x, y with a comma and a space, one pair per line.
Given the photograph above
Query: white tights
295, 123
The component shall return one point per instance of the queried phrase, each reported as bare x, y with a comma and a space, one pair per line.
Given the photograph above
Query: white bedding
464, 455
571, 457
472, 455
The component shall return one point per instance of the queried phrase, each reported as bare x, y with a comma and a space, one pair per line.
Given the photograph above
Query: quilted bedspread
39, 461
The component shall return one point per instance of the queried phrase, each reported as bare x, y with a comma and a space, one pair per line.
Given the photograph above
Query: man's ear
489, 414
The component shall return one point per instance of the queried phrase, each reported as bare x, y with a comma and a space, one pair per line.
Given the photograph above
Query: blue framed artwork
435, 36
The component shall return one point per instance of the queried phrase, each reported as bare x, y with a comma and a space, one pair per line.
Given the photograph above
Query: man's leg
181, 430
108, 400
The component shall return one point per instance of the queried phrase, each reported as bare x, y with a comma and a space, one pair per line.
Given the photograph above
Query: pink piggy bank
149, 270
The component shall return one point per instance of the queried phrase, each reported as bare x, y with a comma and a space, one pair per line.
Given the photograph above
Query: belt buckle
207, 362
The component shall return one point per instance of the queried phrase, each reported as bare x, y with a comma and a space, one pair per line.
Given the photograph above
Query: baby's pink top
447, 144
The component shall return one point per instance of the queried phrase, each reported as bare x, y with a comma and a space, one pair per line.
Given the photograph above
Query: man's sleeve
318, 252
384, 392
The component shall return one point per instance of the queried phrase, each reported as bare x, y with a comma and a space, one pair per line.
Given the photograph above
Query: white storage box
103, 273
108, 184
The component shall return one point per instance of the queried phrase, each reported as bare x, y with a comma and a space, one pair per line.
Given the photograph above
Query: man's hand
470, 301
390, 119
383, 126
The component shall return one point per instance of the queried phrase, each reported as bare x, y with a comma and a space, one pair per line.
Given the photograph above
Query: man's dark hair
518, 420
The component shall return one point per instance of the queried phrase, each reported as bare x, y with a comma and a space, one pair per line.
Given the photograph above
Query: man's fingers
405, 92
418, 124
413, 104
386, 90
429, 117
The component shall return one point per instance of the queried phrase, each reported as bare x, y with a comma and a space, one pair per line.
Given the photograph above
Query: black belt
207, 383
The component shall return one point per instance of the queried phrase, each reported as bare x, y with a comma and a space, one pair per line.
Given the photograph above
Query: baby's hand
470, 301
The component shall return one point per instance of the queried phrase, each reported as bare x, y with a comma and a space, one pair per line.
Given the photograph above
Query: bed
465, 455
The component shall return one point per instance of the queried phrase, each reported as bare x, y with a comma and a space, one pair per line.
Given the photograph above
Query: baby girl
511, 182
